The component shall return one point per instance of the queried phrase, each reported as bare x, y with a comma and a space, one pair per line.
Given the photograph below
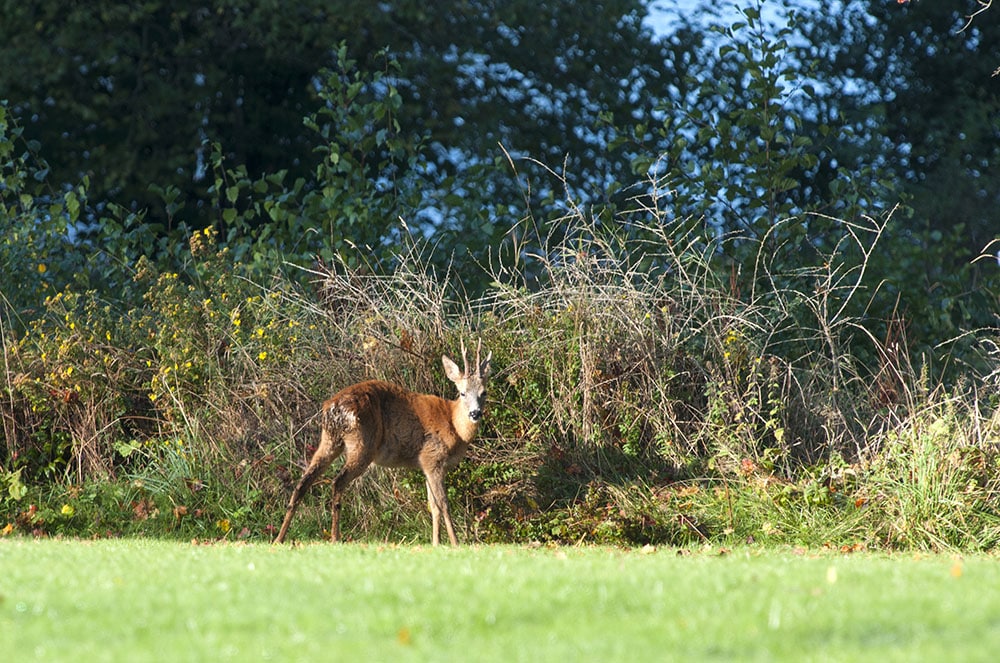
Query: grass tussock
647, 390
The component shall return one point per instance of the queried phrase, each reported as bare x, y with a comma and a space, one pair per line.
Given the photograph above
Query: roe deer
383, 423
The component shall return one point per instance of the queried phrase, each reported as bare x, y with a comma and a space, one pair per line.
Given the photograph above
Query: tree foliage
300, 131
921, 94
131, 95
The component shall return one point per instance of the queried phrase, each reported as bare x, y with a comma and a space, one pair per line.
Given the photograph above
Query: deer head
471, 386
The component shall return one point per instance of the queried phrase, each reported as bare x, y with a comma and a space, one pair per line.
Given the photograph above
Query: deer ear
451, 369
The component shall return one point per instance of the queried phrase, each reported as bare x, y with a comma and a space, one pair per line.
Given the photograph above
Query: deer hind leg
437, 501
330, 447
356, 461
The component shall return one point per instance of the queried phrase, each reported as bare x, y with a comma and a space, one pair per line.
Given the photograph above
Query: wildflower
263, 355
42, 268
224, 525
67, 510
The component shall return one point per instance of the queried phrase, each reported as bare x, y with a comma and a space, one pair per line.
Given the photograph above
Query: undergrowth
646, 391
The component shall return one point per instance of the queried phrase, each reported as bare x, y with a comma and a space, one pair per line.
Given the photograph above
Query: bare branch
983, 6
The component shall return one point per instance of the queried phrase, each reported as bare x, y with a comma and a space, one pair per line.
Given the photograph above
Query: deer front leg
438, 501
435, 516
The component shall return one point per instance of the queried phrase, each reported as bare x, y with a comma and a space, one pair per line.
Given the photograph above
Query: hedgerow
637, 398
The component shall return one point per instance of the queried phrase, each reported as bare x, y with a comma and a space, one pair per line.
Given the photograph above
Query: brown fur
383, 423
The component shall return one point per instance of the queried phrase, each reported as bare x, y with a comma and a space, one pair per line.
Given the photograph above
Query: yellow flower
42, 268
262, 356
67, 510
224, 525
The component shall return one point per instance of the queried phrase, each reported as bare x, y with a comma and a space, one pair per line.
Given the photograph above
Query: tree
929, 83
131, 95
127, 94
922, 91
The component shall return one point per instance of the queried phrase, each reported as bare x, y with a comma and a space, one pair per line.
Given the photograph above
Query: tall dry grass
649, 387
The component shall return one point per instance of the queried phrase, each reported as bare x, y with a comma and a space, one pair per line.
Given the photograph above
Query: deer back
398, 427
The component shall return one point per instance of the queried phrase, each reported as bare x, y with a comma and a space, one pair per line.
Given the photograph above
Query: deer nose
475, 415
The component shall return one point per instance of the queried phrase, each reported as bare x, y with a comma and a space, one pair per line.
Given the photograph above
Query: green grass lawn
151, 600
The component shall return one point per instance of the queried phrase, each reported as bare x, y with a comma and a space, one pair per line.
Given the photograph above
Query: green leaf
72, 205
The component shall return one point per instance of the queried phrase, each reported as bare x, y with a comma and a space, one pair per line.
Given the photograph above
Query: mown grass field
153, 600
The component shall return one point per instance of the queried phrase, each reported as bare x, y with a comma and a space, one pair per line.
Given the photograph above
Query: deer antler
465, 360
